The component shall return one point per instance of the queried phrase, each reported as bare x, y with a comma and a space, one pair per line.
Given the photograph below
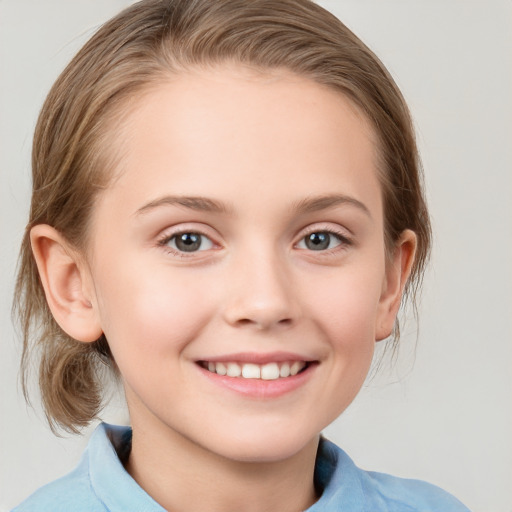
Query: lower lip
259, 388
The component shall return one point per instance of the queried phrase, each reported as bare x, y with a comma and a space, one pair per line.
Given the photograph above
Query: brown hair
142, 46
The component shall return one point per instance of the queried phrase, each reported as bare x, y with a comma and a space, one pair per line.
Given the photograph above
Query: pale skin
288, 263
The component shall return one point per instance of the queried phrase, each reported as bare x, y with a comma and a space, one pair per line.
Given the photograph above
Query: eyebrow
202, 204
315, 204
205, 204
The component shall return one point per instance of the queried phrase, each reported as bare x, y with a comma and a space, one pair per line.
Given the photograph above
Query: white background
444, 413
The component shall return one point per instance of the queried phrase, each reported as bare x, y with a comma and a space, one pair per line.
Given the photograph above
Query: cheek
346, 306
345, 315
145, 315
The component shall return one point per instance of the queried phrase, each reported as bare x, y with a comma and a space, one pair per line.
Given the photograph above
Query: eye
188, 242
322, 240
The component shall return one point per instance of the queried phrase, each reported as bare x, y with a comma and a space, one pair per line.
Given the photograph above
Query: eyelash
344, 242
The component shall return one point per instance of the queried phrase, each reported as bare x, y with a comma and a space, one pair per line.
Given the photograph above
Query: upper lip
259, 358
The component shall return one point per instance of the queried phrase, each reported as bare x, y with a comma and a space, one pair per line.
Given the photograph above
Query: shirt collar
337, 480
111, 483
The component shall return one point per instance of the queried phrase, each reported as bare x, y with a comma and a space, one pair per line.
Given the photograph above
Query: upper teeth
269, 371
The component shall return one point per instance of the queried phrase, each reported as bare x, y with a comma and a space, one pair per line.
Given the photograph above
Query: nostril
263, 323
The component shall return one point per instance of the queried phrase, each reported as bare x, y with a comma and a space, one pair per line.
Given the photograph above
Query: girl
227, 211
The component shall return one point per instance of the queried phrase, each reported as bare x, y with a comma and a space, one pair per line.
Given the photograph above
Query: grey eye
319, 241
190, 242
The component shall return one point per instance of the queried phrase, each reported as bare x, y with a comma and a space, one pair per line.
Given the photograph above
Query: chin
266, 447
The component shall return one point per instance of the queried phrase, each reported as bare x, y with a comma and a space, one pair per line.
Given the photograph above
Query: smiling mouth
268, 371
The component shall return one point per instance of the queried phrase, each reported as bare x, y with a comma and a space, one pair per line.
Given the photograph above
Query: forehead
238, 135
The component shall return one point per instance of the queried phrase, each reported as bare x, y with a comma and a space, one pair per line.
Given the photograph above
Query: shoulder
407, 495
71, 492
75, 491
99, 483
343, 482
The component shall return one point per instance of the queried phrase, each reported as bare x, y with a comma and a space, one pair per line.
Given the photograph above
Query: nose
261, 294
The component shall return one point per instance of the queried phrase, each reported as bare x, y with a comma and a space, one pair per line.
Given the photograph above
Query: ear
66, 282
398, 271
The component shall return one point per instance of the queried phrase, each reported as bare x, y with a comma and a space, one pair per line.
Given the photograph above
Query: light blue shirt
101, 484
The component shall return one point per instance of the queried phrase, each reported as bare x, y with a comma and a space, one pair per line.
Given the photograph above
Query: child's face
274, 179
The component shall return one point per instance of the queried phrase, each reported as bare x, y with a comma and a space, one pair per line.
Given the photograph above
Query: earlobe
397, 273
66, 284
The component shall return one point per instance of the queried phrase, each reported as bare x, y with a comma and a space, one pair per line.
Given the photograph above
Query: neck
182, 476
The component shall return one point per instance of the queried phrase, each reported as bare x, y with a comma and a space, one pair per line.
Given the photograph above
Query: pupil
188, 242
318, 241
